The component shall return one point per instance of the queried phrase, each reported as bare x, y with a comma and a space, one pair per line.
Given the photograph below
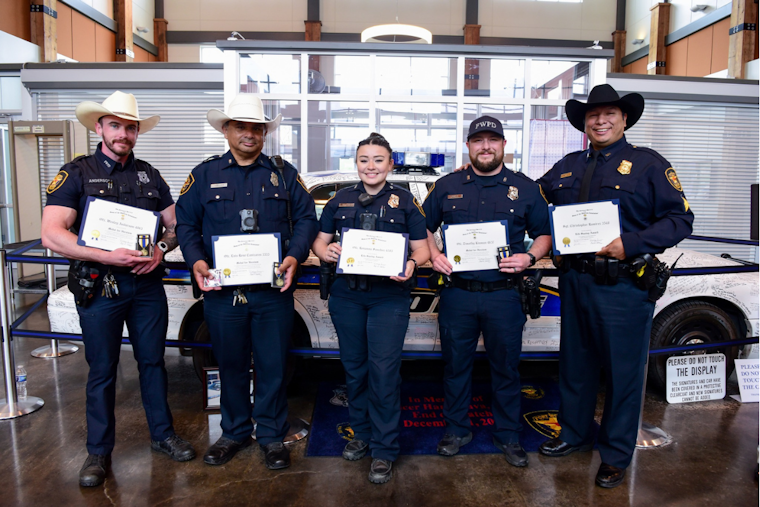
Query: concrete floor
711, 463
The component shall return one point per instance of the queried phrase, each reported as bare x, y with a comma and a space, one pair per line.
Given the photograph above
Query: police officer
607, 318
371, 313
135, 292
485, 301
252, 318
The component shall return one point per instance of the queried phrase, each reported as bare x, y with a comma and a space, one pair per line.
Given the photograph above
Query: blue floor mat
422, 424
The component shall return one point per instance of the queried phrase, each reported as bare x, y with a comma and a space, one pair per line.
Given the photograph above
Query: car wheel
689, 323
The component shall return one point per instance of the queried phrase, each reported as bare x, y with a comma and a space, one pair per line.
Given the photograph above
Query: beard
118, 150
487, 167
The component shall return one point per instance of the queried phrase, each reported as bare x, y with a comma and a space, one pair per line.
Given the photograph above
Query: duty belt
478, 286
585, 265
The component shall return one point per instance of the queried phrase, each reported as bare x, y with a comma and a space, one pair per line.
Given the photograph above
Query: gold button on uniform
217, 197
617, 187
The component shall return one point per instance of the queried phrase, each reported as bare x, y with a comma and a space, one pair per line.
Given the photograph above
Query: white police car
701, 307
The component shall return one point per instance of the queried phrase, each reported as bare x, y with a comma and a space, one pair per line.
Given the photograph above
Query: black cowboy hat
631, 104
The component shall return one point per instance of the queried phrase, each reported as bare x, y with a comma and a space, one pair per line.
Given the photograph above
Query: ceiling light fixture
408, 33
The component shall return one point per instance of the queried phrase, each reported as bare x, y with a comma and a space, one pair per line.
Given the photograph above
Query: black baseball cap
485, 124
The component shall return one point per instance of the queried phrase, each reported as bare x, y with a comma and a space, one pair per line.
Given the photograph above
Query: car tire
687, 323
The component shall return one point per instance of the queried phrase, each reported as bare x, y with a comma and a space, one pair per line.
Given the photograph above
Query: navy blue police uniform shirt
135, 183
218, 189
396, 208
464, 197
655, 214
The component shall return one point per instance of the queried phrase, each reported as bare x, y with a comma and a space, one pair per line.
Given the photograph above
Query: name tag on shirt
455, 196
218, 185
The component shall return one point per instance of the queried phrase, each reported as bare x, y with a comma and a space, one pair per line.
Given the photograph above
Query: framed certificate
244, 259
109, 225
372, 253
472, 247
584, 228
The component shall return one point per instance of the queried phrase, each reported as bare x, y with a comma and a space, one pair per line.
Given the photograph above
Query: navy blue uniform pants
463, 315
262, 326
371, 327
142, 304
606, 327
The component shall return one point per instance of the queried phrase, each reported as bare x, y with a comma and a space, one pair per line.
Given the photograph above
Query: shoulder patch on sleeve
419, 207
300, 182
542, 194
188, 183
57, 182
670, 173
429, 192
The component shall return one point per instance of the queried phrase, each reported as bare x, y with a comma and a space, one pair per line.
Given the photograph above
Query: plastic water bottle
21, 382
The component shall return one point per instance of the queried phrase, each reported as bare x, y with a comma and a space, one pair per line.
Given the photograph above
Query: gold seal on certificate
472, 247
584, 228
246, 259
108, 225
376, 253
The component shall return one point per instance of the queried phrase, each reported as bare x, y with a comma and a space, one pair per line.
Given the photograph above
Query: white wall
638, 19
587, 21
16, 50
143, 12
238, 15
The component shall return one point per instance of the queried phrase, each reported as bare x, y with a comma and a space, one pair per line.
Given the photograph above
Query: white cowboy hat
120, 104
245, 107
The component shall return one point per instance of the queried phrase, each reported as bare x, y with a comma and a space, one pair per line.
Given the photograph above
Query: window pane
270, 73
345, 74
335, 128
285, 140
429, 128
494, 78
551, 138
511, 118
407, 75
559, 80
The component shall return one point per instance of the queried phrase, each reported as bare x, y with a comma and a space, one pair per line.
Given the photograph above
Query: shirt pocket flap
627, 183
454, 205
272, 192
509, 207
345, 214
562, 183
394, 216
100, 190
149, 192
220, 194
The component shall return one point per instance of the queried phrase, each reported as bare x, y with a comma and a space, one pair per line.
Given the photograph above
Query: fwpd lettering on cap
486, 124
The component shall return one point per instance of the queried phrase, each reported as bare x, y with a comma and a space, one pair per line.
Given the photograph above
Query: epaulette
651, 152
212, 157
80, 157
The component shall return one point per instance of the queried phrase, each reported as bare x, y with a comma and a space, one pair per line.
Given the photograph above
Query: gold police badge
513, 193
393, 201
670, 173
57, 182
625, 167
274, 179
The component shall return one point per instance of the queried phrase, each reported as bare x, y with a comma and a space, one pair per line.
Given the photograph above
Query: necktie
586, 183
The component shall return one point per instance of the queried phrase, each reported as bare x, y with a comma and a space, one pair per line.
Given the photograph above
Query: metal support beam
471, 13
